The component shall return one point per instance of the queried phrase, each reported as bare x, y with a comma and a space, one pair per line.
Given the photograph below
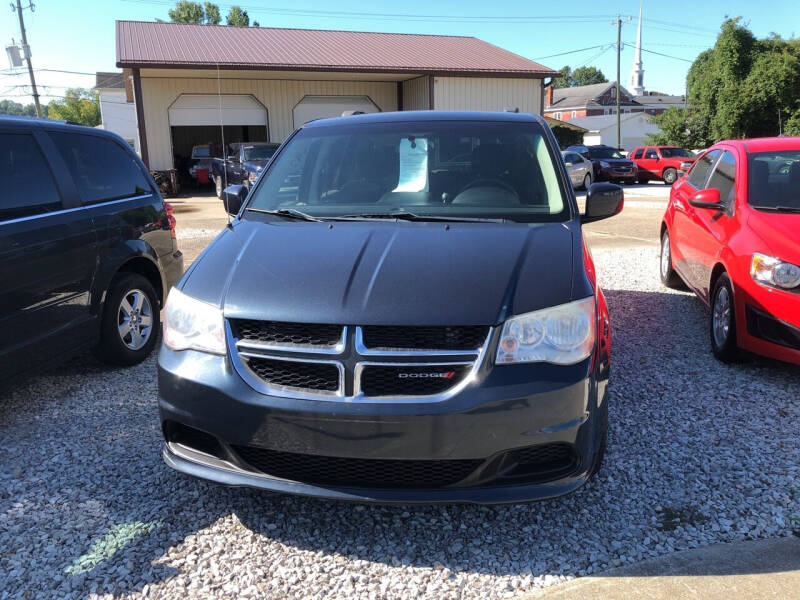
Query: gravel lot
699, 453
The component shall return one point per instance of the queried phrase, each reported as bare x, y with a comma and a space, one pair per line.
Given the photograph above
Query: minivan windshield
492, 169
774, 181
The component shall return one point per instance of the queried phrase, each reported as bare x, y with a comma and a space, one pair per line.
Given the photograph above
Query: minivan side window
27, 186
699, 173
102, 169
723, 178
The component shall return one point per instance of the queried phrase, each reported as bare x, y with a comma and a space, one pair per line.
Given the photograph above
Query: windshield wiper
408, 216
288, 213
791, 209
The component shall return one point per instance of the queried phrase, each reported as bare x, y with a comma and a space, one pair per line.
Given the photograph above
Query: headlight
774, 272
563, 335
604, 164
192, 324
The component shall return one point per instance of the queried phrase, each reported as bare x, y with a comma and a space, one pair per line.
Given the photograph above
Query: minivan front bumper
214, 425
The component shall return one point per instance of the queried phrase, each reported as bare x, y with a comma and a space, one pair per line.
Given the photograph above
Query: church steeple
637, 72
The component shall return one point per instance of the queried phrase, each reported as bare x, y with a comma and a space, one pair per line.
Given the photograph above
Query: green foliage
587, 76
580, 76
212, 14
9, 107
187, 12
744, 87
237, 17
563, 81
679, 127
79, 106
195, 13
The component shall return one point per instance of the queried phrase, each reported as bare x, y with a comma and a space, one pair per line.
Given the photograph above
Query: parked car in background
201, 158
87, 246
408, 313
608, 163
242, 164
579, 169
666, 163
731, 233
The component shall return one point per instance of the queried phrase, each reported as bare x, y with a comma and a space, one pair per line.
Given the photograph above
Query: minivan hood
386, 273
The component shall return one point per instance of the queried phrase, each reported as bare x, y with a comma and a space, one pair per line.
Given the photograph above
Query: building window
557, 116
574, 114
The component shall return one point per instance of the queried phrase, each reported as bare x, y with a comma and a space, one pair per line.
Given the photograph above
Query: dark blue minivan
403, 310
87, 247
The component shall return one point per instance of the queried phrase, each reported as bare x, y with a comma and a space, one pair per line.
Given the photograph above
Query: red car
662, 162
731, 232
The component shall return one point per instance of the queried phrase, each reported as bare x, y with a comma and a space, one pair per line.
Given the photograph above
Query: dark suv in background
609, 163
87, 246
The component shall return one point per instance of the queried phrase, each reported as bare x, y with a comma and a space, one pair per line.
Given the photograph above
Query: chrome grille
283, 359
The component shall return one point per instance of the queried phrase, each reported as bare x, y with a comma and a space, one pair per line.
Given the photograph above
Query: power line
570, 52
394, 16
664, 55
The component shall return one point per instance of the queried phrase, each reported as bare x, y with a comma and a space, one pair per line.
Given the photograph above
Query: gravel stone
699, 453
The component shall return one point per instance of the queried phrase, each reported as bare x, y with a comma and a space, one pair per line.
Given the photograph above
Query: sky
78, 35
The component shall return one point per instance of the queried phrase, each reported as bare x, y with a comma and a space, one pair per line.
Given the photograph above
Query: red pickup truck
661, 162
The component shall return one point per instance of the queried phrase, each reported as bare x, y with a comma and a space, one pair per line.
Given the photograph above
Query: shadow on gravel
87, 505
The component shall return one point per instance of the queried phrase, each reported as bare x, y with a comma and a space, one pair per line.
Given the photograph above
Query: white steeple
637, 72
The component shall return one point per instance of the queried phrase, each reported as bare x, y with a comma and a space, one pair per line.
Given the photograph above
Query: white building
117, 110
260, 83
602, 129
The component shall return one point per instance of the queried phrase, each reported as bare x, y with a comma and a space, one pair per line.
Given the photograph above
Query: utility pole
619, 21
26, 51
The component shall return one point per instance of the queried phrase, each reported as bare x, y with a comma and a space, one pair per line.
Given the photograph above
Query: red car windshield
774, 181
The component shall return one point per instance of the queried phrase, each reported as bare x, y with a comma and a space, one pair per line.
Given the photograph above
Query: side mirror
707, 198
233, 197
603, 200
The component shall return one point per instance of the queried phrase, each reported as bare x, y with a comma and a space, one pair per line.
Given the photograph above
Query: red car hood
779, 231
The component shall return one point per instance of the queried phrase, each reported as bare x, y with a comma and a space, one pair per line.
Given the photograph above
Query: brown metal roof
143, 44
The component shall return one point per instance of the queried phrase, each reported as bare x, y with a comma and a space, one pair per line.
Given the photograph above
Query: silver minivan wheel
135, 319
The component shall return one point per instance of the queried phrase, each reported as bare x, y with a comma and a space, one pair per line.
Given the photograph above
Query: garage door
209, 109
323, 107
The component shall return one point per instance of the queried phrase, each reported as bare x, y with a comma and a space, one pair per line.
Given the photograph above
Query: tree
745, 87
563, 81
78, 105
9, 107
212, 14
187, 12
580, 76
237, 17
587, 76
679, 127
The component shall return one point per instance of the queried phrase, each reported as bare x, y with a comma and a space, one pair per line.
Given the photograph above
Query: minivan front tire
131, 321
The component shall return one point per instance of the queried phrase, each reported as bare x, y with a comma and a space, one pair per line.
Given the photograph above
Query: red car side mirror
707, 198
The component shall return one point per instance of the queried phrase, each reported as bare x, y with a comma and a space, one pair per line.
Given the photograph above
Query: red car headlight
774, 272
